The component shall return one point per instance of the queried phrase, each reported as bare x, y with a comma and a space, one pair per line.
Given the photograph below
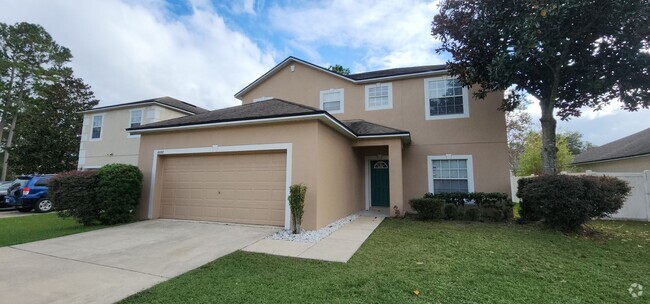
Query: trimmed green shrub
472, 213
566, 202
451, 211
73, 195
428, 208
118, 192
490, 206
297, 205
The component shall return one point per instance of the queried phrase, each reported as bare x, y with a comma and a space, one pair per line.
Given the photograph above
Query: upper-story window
332, 100
379, 96
96, 132
445, 98
136, 118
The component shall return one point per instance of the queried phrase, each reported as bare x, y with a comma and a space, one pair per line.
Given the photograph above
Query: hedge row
107, 196
566, 202
476, 206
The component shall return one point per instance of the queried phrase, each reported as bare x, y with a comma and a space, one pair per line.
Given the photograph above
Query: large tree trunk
549, 148
10, 138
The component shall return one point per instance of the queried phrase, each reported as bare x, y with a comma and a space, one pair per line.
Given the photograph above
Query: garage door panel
239, 188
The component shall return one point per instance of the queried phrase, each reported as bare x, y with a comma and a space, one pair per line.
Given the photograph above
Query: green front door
379, 189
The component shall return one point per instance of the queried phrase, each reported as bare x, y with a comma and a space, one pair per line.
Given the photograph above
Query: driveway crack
90, 263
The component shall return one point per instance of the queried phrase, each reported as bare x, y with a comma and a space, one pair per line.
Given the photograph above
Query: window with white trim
379, 96
332, 100
96, 130
450, 173
136, 118
445, 98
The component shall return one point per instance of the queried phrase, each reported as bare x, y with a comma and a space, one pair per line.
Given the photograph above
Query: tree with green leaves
567, 54
337, 68
30, 61
575, 142
48, 135
530, 160
518, 125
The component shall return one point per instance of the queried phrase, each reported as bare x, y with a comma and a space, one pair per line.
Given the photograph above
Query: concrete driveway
107, 265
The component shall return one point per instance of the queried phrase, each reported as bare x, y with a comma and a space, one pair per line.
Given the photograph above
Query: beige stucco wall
115, 145
636, 164
340, 179
482, 134
328, 173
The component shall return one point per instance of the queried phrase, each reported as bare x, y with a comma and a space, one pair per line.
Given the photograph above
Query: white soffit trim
215, 149
322, 117
122, 106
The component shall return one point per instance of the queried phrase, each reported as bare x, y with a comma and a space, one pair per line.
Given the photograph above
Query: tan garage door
244, 188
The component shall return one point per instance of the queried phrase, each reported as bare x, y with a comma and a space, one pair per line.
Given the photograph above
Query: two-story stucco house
104, 139
364, 141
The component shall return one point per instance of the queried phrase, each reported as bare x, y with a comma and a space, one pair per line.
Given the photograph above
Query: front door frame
367, 161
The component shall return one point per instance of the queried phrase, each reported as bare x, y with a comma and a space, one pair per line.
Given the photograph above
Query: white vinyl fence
637, 205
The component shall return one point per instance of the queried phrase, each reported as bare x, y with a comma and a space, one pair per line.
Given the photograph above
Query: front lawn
23, 229
447, 262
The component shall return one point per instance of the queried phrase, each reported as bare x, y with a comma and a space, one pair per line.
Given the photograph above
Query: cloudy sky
205, 51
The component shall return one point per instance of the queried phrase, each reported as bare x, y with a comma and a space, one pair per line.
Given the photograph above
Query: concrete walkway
13, 213
107, 265
339, 246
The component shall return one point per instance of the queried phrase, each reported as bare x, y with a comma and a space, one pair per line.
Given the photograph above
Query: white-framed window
450, 173
445, 98
135, 120
332, 100
96, 128
263, 98
379, 96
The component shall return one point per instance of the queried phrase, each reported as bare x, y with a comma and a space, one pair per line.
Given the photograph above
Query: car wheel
44, 205
24, 209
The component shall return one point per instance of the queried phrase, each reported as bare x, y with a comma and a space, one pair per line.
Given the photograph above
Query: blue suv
30, 192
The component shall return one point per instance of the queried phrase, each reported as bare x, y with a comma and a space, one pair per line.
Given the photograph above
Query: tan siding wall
483, 134
637, 164
115, 140
340, 184
303, 136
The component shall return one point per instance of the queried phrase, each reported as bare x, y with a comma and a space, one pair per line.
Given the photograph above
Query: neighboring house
364, 141
104, 139
628, 154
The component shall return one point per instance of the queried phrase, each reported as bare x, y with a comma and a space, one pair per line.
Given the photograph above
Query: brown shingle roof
167, 101
636, 144
272, 108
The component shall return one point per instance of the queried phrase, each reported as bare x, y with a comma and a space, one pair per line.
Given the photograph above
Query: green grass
448, 262
23, 229
515, 210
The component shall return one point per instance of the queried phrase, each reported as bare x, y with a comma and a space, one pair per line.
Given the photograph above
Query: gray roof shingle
168, 101
634, 145
272, 108
257, 110
397, 72
362, 127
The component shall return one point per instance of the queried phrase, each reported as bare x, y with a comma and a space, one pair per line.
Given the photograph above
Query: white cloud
599, 127
391, 33
136, 50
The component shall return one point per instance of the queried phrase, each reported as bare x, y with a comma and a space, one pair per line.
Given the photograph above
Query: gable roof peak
365, 77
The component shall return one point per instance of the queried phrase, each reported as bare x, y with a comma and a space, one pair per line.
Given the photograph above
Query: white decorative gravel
313, 236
